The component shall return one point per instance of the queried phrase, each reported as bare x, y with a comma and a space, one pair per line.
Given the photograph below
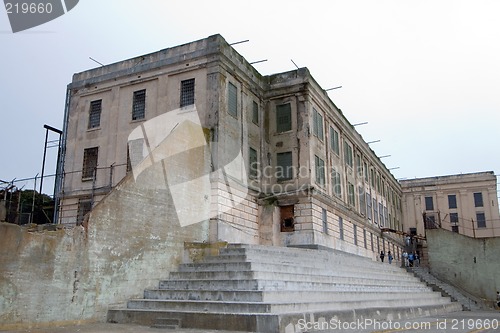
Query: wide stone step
277, 296
285, 307
293, 268
272, 322
309, 277
252, 284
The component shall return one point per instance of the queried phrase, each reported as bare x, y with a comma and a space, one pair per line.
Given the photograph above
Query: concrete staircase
448, 290
269, 289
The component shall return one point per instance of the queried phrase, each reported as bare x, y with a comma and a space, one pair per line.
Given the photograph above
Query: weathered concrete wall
469, 263
132, 240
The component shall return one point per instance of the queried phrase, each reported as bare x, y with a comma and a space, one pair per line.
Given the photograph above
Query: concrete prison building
283, 164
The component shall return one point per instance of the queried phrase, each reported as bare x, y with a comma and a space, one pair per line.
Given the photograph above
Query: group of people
410, 259
389, 256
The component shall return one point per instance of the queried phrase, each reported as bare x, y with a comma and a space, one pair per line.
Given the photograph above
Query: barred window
334, 140
317, 124
283, 118
337, 183
320, 170
284, 166
255, 113
253, 163
139, 105
478, 199
95, 114
84, 207
481, 220
187, 92
351, 200
347, 154
232, 100
89, 162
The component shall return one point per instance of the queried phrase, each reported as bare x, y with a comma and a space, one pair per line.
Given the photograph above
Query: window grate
89, 162
284, 166
187, 93
253, 163
283, 118
139, 105
95, 114
255, 113
232, 100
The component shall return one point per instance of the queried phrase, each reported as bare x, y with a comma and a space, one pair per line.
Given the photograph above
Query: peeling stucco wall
469, 263
131, 241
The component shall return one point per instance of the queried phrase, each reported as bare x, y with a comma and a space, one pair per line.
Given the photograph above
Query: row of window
353, 160
139, 103
452, 201
324, 219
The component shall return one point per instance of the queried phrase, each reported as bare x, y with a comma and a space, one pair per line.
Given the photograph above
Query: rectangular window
341, 228
89, 163
452, 201
255, 113
95, 114
324, 218
375, 211
386, 217
362, 203
364, 239
337, 183
317, 124
381, 212
359, 168
481, 220
365, 170
252, 163
371, 241
350, 195
187, 93
429, 203
320, 170
347, 154
368, 206
334, 141
84, 207
355, 234
372, 177
139, 105
478, 199
232, 100
454, 218
283, 118
284, 165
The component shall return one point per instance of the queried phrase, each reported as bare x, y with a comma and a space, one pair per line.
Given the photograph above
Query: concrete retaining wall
132, 240
471, 264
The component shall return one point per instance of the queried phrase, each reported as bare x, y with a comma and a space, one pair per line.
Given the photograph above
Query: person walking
382, 255
405, 258
389, 257
411, 258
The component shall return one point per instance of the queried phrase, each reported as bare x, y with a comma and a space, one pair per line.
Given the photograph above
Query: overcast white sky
424, 74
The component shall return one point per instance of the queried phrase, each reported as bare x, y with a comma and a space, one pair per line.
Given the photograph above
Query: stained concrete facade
465, 203
338, 193
469, 263
72, 275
